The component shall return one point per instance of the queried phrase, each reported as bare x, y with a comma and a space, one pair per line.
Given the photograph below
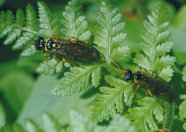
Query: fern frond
30, 28
49, 67
16, 32
73, 82
30, 51
23, 30
184, 74
110, 33
182, 109
156, 44
81, 123
31, 126
48, 124
6, 25
111, 100
120, 123
145, 115
74, 22
45, 19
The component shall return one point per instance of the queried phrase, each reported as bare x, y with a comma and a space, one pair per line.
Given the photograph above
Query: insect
152, 84
75, 50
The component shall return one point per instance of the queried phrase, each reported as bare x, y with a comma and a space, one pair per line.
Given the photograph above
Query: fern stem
109, 40
31, 31
169, 115
26, 29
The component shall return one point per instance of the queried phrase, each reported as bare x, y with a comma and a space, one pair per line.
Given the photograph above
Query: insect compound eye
128, 75
40, 43
61, 43
138, 76
49, 44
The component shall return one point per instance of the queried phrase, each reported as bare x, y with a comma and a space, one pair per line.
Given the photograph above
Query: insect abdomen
80, 52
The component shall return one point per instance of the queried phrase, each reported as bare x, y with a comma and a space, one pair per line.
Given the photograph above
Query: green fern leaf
145, 115
182, 109
74, 22
31, 126
49, 125
48, 67
45, 19
2, 20
110, 33
120, 123
74, 81
16, 32
30, 28
7, 25
120, 52
29, 51
184, 74
111, 99
156, 44
80, 123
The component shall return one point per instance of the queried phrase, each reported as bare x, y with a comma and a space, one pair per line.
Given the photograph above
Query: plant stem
169, 115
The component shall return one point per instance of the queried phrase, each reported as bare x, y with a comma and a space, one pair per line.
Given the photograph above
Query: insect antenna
29, 36
118, 67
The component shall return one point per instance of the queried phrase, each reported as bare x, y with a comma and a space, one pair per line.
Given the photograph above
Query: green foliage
41, 100
110, 33
184, 74
2, 113
110, 37
49, 125
180, 18
45, 19
22, 31
182, 109
115, 94
78, 79
74, 22
12, 86
145, 114
78, 123
156, 44
50, 67
15, 28
111, 100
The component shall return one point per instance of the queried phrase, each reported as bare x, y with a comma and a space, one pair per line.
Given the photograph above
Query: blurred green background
25, 94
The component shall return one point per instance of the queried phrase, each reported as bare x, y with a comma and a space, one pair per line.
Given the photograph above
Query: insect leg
45, 55
78, 39
131, 86
116, 81
161, 130
149, 92
64, 59
117, 65
136, 90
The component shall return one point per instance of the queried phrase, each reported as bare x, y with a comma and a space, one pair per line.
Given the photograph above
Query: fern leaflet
74, 81
145, 114
74, 22
156, 44
111, 100
110, 33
